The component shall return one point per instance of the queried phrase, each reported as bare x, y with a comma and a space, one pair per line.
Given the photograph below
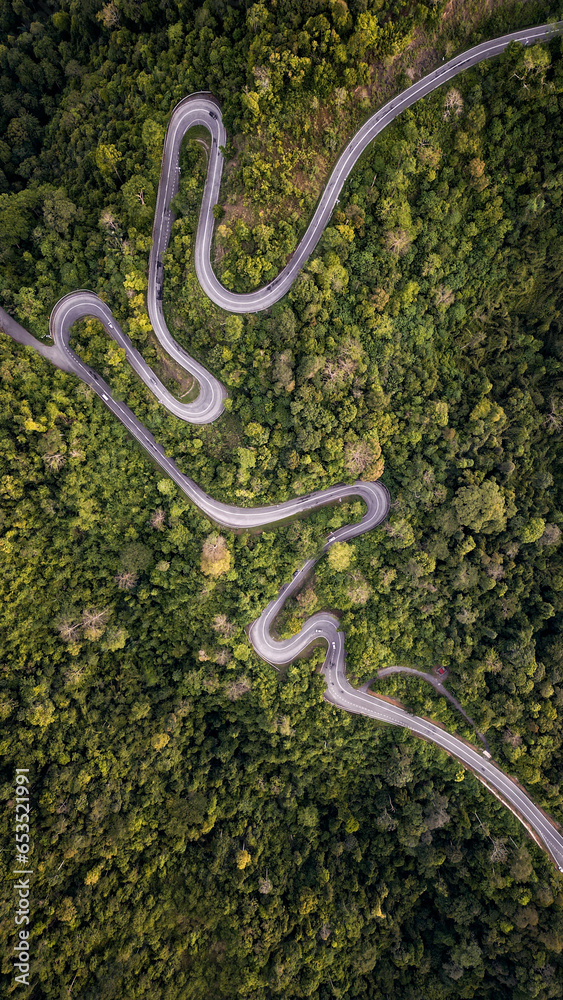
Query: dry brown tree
157, 519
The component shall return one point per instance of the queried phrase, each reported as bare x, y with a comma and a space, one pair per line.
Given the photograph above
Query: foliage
204, 826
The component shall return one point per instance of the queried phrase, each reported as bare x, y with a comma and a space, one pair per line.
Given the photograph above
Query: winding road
203, 110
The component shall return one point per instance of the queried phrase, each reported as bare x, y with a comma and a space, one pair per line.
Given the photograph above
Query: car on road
159, 279
213, 115
105, 396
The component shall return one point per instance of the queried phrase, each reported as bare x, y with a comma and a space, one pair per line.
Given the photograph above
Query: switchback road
201, 109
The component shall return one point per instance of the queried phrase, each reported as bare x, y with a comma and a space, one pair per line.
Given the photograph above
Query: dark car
159, 278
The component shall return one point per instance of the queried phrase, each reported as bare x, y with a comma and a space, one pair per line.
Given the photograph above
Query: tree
59, 212
481, 508
533, 530
107, 158
109, 15
339, 556
215, 556
153, 138
136, 557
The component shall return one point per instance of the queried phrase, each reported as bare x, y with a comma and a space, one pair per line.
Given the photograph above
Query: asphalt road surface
201, 109
324, 628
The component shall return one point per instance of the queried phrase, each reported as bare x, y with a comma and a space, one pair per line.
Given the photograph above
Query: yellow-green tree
340, 556
215, 556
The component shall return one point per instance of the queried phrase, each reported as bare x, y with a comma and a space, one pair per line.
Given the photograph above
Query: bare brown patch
240, 209
458, 11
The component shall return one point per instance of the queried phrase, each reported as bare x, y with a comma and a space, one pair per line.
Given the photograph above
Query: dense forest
202, 824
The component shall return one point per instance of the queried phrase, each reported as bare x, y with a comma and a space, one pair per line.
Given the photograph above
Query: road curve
324, 628
265, 297
203, 110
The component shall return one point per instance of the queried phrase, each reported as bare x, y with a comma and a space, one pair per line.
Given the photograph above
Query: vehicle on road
159, 279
